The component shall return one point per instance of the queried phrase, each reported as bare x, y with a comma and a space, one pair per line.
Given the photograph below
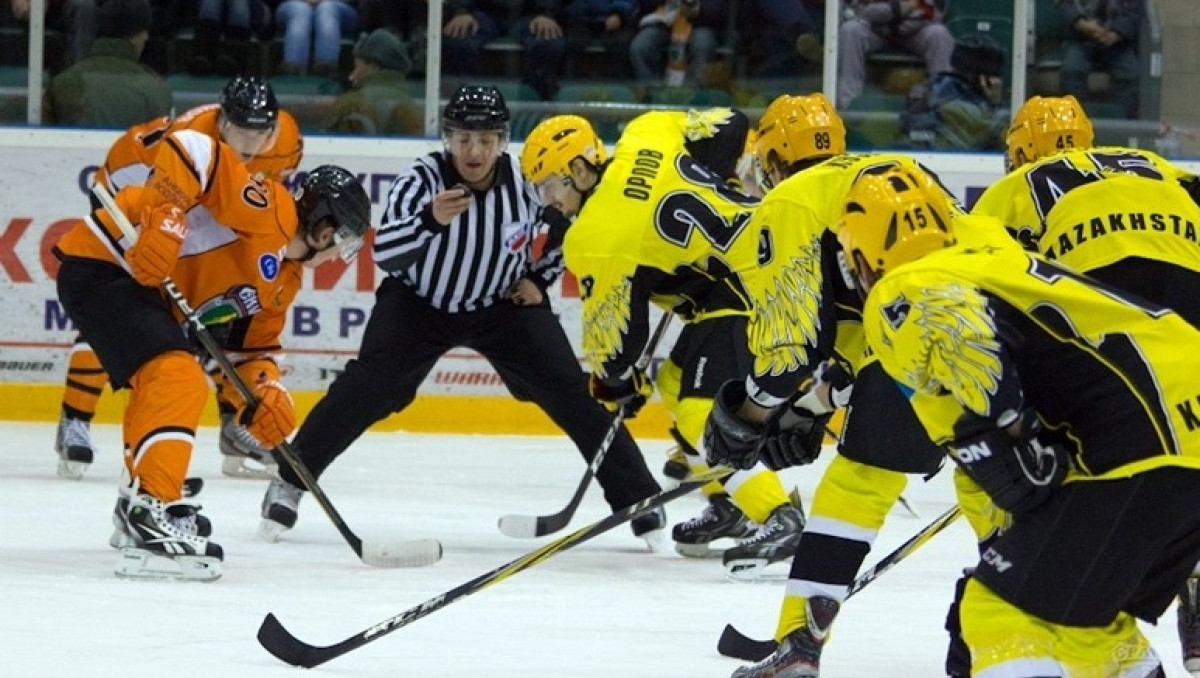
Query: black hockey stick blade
280, 642
734, 643
520, 526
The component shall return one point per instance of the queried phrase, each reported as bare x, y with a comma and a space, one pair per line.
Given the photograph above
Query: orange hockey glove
153, 256
275, 417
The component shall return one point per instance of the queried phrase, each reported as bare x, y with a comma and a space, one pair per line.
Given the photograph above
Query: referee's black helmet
476, 107
249, 103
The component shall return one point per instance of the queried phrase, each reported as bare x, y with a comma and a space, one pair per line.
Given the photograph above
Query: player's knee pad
856, 493
668, 382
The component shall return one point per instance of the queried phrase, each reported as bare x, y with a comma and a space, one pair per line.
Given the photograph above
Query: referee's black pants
525, 344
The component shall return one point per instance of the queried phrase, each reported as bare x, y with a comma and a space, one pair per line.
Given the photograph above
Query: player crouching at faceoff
250, 268
632, 245
1124, 216
1028, 373
268, 141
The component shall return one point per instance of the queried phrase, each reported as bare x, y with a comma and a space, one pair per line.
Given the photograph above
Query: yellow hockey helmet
798, 128
892, 217
1047, 125
555, 142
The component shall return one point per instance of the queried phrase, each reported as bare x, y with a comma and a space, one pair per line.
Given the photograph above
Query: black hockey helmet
476, 107
249, 103
331, 192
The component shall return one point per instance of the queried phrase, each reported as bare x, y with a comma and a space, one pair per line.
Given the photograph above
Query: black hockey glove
1019, 475
626, 394
728, 439
793, 436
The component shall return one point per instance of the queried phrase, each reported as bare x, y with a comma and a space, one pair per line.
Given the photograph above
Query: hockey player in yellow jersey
1121, 215
1071, 403
807, 323
659, 224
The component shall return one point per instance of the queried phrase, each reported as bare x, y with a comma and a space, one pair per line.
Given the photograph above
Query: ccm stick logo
412, 615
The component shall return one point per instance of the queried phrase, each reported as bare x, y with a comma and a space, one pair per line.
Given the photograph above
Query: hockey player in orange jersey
268, 141
234, 246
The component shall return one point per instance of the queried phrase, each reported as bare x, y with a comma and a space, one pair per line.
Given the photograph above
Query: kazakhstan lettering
645, 169
1132, 221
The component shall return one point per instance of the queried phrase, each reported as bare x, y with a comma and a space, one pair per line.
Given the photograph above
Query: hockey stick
280, 642
413, 553
529, 527
734, 643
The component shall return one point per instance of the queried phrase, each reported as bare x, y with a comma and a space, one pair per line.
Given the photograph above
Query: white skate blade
698, 550
140, 564
415, 553
518, 526
656, 541
244, 467
756, 570
271, 531
72, 470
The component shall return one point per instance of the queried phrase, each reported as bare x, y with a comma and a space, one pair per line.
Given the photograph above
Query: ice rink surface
606, 609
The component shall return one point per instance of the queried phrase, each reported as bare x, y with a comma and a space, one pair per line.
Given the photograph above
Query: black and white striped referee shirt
470, 263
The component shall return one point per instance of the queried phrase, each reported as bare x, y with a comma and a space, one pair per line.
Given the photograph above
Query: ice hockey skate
242, 455
1188, 616
165, 543
799, 655
73, 443
720, 520
649, 526
122, 536
280, 509
775, 541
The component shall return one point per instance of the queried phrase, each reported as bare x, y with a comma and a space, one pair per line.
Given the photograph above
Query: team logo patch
268, 266
516, 241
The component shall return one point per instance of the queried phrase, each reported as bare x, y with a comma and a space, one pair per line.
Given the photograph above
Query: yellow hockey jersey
986, 331
659, 228
1090, 208
806, 308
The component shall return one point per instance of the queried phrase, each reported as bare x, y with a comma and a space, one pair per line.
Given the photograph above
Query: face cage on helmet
347, 242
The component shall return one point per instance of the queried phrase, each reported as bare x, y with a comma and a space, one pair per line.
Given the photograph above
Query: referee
456, 241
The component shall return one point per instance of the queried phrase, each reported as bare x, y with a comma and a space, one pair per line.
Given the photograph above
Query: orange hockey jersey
231, 264
130, 157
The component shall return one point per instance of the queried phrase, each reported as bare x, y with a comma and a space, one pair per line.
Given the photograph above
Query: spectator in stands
405, 18
613, 22
1102, 35
470, 24
653, 51
912, 25
540, 32
783, 35
959, 109
76, 18
234, 20
378, 101
314, 28
109, 88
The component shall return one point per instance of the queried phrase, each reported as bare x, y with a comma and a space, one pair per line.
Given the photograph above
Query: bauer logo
268, 265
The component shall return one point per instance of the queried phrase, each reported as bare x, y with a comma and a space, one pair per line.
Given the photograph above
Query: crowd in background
951, 86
